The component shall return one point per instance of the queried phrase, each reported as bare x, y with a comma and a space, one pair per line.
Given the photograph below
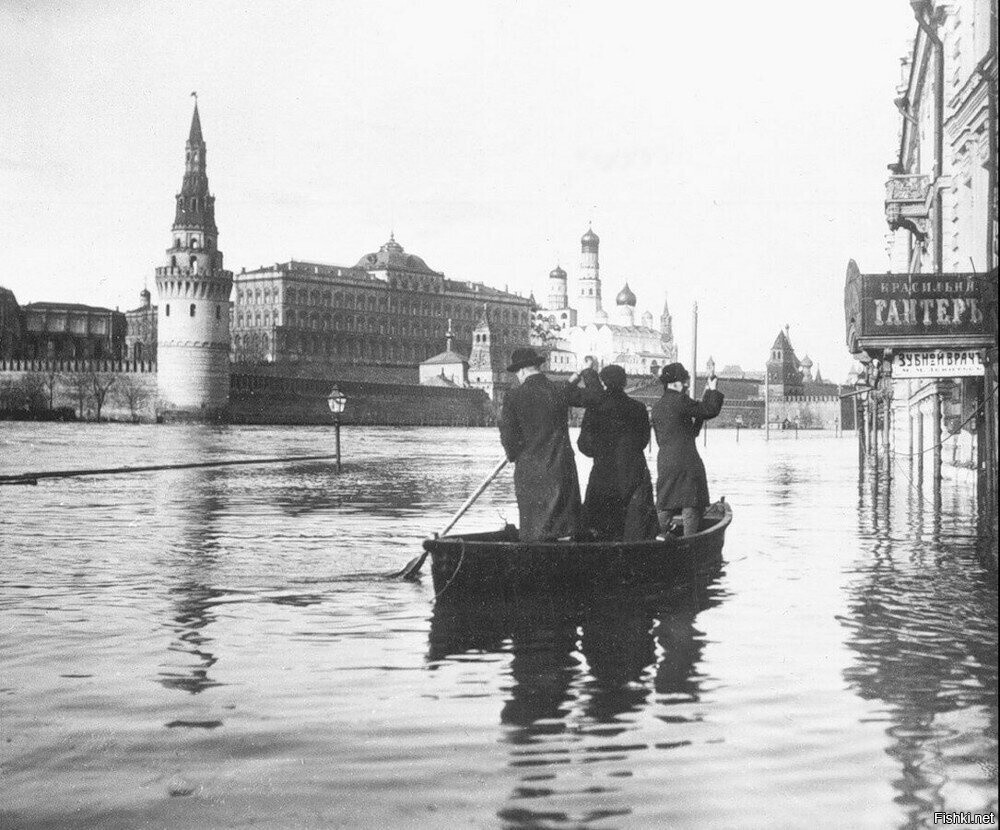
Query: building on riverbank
379, 318
926, 330
787, 393
581, 326
59, 331
140, 329
193, 287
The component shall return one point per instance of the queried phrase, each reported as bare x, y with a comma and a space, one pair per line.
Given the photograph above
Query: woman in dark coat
535, 436
681, 484
615, 431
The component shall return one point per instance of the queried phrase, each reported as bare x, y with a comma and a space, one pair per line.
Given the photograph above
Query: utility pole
767, 405
694, 351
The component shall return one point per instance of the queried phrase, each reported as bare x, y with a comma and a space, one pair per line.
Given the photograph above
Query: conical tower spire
195, 205
195, 134
666, 324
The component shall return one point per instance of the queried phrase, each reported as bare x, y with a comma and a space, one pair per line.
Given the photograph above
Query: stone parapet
79, 366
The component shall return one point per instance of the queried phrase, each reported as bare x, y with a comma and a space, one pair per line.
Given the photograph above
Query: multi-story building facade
941, 199
926, 334
140, 329
71, 331
11, 325
387, 313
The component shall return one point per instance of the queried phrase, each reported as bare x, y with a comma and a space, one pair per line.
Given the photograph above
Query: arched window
166, 311
192, 308
218, 312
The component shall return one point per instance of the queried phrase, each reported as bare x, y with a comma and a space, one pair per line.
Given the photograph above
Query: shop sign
938, 363
917, 311
922, 306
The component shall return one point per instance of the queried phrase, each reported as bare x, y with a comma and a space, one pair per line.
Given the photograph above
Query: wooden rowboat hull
498, 564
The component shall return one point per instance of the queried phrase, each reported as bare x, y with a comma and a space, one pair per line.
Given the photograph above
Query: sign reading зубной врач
939, 363
921, 306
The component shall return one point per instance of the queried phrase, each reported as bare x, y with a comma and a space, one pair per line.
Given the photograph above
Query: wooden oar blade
412, 568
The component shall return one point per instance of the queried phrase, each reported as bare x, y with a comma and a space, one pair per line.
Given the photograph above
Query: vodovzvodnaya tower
193, 314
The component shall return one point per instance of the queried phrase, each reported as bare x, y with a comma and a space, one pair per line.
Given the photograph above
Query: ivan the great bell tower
194, 289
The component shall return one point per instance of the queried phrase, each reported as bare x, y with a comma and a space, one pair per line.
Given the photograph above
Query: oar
414, 565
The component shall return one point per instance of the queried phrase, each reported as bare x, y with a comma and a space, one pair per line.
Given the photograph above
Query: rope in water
33, 478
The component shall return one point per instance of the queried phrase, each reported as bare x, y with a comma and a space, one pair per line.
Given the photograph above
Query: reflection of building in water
561, 711
922, 625
193, 504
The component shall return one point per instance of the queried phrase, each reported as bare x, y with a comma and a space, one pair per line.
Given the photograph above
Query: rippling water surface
218, 648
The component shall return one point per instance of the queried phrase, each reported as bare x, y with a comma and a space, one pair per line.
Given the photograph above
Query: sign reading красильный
922, 305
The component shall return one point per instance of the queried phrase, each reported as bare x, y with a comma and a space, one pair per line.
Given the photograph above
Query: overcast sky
728, 152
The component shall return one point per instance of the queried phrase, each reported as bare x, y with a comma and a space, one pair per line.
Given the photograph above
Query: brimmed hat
522, 358
613, 377
674, 373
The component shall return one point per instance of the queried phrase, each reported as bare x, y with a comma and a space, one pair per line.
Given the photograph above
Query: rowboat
499, 564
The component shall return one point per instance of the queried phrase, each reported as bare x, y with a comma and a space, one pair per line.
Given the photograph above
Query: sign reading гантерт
923, 305
938, 363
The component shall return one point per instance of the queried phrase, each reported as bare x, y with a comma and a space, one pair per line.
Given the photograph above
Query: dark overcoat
535, 436
677, 420
619, 501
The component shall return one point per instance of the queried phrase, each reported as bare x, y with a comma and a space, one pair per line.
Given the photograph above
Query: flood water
218, 648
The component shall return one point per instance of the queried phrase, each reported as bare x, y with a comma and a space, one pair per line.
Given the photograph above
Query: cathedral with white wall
574, 324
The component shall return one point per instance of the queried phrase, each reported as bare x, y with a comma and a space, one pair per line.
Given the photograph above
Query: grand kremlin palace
386, 314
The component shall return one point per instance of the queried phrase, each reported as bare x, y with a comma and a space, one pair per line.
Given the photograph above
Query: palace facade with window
388, 310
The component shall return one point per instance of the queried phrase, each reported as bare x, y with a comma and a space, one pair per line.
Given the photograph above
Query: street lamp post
337, 401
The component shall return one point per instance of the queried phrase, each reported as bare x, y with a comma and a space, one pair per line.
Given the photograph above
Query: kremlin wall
266, 345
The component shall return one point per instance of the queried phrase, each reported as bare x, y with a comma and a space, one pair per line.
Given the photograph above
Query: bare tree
100, 386
132, 392
79, 388
50, 383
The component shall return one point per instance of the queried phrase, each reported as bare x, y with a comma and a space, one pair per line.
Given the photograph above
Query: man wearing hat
614, 432
535, 436
681, 483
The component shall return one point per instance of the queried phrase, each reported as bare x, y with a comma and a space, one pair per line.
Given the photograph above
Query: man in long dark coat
535, 436
681, 484
615, 431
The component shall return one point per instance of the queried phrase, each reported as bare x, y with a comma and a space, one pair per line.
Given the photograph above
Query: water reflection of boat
497, 563
581, 670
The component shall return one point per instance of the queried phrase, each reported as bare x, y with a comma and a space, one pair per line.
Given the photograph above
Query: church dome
807, 362
557, 273
625, 297
590, 239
